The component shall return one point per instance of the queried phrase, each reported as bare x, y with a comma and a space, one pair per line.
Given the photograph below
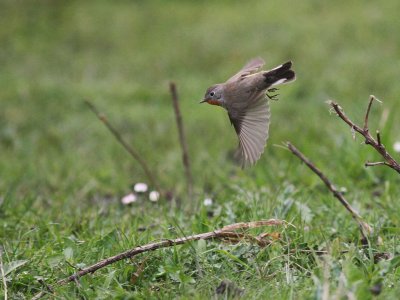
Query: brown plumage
244, 97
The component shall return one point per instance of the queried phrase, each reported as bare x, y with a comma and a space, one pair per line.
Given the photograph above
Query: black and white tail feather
279, 75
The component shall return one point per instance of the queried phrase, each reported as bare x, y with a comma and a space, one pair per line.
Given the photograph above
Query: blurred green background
59, 165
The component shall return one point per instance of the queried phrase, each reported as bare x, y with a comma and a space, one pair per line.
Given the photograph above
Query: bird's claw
272, 97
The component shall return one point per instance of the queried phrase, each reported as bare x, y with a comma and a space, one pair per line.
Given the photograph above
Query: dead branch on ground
226, 232
127, 147
182, 140
365, 228
369, 140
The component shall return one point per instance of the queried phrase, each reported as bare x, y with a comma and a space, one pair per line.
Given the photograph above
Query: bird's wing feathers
251, 124
248, 107
251, 67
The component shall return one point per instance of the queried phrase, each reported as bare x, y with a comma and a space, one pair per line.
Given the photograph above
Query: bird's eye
212, 94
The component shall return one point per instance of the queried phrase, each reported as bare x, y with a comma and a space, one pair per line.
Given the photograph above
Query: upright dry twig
182, 140
365, 228
127, 147
369, 140
223, 233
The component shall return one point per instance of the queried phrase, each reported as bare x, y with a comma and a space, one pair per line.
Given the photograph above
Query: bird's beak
204, 100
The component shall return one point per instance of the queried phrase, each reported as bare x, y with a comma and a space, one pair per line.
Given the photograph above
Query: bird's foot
272, 97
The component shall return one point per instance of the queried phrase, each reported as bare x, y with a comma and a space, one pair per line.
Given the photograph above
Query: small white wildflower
128, 199
396, 146
140, 187
154, 196
208, 202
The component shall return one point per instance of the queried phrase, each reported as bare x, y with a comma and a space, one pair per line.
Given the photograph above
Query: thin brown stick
365, 228
372, 164
182, 140
223, 233
127, 147
369, 140
371, 99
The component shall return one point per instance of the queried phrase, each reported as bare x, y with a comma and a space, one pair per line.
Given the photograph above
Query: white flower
128, 199
208, 202
140, 187
154, 196
396, 147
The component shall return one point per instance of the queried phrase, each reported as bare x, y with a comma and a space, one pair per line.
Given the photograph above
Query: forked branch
369, 139
365, 228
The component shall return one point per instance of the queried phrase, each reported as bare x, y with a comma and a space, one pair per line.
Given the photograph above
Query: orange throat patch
214, 102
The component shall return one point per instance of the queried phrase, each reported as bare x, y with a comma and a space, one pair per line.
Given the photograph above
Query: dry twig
369, 140
223, 233
127, 147
182, 140
365, 228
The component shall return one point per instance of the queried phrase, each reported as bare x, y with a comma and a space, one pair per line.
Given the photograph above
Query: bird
246, 97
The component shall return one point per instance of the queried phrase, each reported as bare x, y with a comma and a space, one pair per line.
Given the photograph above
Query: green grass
62, 174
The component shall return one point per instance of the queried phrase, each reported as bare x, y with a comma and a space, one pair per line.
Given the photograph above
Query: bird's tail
280, 74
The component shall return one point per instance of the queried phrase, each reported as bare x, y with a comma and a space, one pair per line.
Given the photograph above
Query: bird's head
213, 95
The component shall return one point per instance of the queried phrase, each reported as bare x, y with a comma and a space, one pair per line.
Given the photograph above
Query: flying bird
245, 97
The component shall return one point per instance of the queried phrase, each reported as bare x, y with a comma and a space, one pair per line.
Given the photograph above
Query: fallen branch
127, 147
223, 233
365, 228
182, 140
369, 140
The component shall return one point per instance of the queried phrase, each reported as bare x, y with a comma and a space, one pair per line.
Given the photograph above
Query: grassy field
62, 174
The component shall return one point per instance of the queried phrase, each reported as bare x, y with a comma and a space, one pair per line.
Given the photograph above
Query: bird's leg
272, 97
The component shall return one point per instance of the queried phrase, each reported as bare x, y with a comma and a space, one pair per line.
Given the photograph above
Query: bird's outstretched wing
251, 67
251, 124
